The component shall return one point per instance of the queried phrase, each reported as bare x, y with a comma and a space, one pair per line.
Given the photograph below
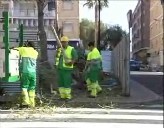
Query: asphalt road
151, 80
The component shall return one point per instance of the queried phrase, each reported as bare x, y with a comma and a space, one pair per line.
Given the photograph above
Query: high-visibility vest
94, 54
29, 56
67, 56
95, 58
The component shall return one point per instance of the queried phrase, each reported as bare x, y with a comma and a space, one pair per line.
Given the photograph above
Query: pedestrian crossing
84, 117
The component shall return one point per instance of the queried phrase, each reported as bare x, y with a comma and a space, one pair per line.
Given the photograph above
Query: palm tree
98, 5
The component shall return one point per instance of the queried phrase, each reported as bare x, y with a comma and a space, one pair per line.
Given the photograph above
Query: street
83, 118
151, 80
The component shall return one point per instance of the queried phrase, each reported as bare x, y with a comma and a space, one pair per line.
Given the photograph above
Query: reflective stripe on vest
67, 57
57, 56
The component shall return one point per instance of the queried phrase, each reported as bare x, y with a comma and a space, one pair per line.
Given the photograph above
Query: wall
156, 31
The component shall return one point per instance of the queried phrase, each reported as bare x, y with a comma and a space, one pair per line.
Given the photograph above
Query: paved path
84, 118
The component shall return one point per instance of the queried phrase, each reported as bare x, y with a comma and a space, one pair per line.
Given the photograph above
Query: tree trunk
99, 25
96, 22
42, 33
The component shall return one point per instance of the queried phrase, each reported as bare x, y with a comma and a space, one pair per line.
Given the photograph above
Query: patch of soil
81, 98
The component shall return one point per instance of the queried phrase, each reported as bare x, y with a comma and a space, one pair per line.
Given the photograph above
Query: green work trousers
92, 80
64, 83
28, 85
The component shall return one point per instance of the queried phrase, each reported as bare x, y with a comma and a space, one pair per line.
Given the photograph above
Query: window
27, 9
14, 21
35, 22
67, 27
22, 8
67, 4
6, 7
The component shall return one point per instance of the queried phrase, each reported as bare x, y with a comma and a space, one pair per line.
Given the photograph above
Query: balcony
32, 22
27, 14
31, 14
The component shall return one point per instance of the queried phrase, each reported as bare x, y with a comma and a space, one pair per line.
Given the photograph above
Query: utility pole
5, 21
21, 35
126, 89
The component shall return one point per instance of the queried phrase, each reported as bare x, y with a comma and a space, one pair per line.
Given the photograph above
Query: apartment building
156, 33
140, 30
68, 17
25, 12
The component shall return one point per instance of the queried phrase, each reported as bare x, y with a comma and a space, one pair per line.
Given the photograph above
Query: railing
27, 13
120, 64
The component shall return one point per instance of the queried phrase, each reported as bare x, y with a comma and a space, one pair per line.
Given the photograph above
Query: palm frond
89, 3
92, 3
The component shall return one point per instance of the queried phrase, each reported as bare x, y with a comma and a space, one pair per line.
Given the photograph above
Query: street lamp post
126, 89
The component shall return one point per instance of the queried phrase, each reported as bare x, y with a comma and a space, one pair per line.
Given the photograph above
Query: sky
116, 13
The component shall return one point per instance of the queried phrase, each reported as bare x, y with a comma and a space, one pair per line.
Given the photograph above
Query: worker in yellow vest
65, 60
28, 73
93, 68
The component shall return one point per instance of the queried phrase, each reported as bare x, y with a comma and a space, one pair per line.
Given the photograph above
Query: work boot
93, 91
62, 93
68, 93
99, 89
88, 85
25, 97
32, 98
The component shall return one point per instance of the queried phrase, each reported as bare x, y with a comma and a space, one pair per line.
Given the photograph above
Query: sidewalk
139, 94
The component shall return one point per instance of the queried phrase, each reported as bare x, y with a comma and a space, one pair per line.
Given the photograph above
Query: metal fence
11, 88
120, 64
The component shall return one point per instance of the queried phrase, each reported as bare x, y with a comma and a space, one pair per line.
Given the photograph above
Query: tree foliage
110, 35
113, 35
87, 30
98, 5
92, 3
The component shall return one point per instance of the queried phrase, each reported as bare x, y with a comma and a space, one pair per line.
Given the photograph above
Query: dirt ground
50, 97
81, 98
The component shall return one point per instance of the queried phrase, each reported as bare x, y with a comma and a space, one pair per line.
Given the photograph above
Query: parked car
134, 65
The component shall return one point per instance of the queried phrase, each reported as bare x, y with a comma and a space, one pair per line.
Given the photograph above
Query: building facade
25, 12
156, 33
68, 17
140, 30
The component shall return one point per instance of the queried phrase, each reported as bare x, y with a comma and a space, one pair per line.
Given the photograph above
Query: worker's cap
64, 39
30, 44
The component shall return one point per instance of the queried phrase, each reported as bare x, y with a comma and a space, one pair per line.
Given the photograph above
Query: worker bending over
28, 73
